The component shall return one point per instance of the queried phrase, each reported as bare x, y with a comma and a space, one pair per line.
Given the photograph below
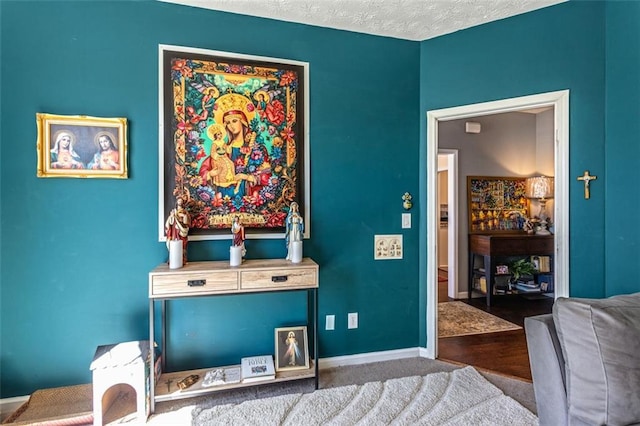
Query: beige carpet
69, 405
461, 397
460, 319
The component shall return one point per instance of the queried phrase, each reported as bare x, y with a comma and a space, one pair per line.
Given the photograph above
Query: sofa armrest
547, 370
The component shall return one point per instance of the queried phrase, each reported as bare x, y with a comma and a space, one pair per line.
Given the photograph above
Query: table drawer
540, 247
509, 247
279, 278
190, 284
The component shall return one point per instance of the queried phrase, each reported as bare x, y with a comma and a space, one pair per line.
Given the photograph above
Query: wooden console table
495, 246
215, 278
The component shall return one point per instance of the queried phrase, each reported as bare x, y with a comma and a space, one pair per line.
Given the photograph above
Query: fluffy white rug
462, 397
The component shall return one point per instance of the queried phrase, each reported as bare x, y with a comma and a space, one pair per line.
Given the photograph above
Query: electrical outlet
330, 323
352, 320
387, 247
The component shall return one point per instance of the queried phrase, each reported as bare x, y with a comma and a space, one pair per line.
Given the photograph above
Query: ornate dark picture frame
496, 204
233, 141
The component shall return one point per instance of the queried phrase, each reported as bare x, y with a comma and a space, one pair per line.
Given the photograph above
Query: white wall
443, 241
544, 151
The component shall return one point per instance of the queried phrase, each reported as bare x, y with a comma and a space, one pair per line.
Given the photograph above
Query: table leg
470, 283
152, 370
488, 274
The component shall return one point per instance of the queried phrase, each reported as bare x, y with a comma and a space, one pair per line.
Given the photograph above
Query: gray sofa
585, 361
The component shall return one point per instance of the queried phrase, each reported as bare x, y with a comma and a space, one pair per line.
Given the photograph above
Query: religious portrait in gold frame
80, 146
233, 141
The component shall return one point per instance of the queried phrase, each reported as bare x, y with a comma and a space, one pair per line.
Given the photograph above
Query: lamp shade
539, 187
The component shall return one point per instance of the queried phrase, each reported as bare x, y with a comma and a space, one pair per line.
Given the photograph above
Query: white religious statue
293, 234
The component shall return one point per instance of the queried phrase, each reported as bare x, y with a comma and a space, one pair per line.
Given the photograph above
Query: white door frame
560, 102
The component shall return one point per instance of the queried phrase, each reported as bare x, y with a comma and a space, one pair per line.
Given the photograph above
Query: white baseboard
465, 295
425, 353
368, 357
9, 405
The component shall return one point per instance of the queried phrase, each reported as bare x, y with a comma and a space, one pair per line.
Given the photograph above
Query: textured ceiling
404, 19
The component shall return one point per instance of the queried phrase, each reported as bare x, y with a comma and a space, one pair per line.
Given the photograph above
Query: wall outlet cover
330, 323
352, 320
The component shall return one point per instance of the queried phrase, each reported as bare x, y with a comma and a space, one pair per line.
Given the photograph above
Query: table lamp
540, 188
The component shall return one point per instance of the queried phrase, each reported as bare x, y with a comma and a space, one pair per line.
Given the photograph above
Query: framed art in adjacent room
444, 215
292, 351
496, 204
79, 146
233, 141
502, 269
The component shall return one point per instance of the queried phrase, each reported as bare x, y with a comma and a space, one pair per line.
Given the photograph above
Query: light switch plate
406, 220
387, 247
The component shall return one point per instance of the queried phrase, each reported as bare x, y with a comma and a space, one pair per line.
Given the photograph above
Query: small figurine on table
177, 227
528, 226
294, 228
238, 234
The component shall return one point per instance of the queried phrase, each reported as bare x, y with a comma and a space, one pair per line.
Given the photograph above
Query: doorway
559, 101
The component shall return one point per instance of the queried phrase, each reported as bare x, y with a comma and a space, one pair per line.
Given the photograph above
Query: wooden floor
504, 352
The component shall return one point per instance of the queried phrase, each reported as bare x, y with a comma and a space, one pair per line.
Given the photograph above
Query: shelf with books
210, 279
491, 254
167, 388
526, 287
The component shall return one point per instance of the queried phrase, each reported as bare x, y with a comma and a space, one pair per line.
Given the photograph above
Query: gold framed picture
292, 350
78, 146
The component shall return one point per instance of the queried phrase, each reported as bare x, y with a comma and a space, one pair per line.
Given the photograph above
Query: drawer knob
196, 283
279, 278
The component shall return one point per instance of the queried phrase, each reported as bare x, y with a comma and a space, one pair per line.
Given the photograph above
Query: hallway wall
443, 234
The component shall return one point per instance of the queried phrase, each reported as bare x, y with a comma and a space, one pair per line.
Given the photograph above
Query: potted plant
521, 267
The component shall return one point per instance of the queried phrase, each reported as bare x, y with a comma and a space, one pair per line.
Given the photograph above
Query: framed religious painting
78, 146
233, 141
496, 204
292, 350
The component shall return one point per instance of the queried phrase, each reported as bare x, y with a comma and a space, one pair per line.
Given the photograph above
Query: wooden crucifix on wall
586, 179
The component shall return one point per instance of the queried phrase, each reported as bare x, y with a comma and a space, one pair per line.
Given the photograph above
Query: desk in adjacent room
494, 246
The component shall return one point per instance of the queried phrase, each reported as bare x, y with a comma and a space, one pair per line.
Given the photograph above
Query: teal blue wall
556, 48
76, 253
622, 149
592, 49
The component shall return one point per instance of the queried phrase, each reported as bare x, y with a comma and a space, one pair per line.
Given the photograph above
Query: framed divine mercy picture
233, 141
292, 349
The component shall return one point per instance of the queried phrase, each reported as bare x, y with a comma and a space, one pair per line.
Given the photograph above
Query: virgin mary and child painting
235, 142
